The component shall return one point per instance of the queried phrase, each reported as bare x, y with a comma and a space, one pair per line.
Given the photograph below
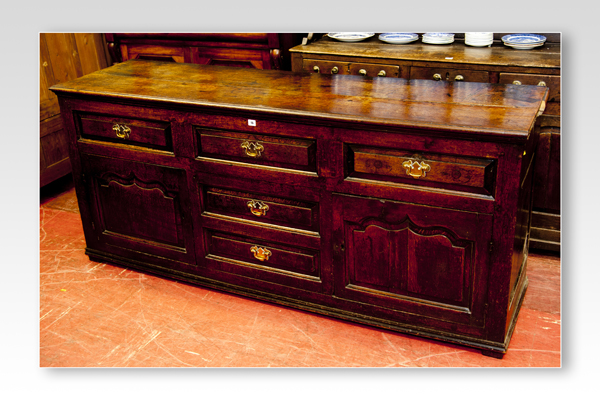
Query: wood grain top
547, 56
506, 112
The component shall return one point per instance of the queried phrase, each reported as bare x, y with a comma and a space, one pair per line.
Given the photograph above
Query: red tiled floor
100, 315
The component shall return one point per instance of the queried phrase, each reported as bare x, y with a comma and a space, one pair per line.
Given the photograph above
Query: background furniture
459, 62
63, 57
250, 50
333, 194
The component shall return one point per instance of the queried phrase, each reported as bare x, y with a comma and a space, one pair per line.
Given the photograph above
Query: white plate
398, 37
481, 44
428, 41
351, 36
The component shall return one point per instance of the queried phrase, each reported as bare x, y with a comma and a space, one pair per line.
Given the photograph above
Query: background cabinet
458, 62
249, 50
63, 57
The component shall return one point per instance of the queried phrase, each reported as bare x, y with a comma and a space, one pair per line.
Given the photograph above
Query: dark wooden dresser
461, 63
399, 204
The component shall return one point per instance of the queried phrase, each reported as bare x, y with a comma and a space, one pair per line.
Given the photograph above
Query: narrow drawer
249, 254
445, 74
262, 208
115, 129
551, 81
258, 149
476, 175
375, 70
325, 67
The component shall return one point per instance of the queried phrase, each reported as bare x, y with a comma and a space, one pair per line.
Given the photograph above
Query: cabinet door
138, 210
413, 259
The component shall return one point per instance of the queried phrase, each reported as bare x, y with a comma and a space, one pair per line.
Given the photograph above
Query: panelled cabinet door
138, 210
414, 259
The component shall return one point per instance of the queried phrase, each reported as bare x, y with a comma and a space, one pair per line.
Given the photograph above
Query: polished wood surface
399, 204
478, 109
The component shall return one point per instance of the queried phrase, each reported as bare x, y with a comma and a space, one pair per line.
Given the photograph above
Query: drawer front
325, 67
551, 81
123, 130
258, 149
374, 70
476, 175
445, 74
267, 256
262, 208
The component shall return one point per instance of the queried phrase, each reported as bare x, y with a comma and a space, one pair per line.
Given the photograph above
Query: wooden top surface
504, 112
547, 56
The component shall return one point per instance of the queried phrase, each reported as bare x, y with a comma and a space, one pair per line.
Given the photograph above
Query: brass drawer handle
363, 72
416, 169
122, 131
257, 208
459, 78
316, 68
541, 83
437, 77
516, 82
381, 73
260, 253
335, 70
253, 149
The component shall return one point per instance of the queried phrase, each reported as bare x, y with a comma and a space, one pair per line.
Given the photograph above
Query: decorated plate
398, 37
351, 36
523, 38
439, 35
524, 46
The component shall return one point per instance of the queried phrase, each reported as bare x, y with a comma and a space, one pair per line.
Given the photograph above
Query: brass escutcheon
122, 131
253, 149
416, 169
257, 208
260, 253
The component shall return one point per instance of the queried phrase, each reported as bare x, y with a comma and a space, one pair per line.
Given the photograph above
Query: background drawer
475, 175
262, 208
444, 74
551, 81
374, 70
325, 67
115, 129
269, 150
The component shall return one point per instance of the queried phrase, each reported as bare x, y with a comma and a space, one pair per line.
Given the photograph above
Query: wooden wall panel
63, 57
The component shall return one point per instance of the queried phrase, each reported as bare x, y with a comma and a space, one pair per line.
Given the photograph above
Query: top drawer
283, 152
115, 129
444, 171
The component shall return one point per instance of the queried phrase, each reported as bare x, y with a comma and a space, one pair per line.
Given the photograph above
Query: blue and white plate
523, 38
438, 38
398, 37
351, 36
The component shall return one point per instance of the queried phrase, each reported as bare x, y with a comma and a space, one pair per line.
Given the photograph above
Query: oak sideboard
400, 204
